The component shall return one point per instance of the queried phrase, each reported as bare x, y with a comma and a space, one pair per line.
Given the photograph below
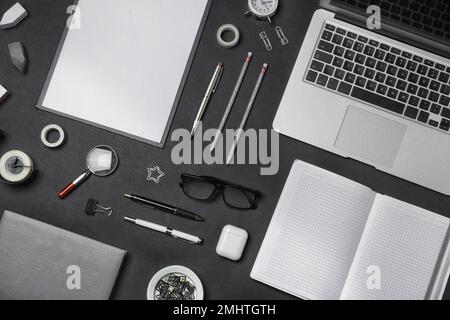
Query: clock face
263, 8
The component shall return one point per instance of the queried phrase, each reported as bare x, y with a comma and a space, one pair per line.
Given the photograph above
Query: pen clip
218, 79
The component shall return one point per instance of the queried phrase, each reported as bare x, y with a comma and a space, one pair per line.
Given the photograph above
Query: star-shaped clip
155, 174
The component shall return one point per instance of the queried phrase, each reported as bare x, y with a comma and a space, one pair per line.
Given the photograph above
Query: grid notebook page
314, 233
404, 243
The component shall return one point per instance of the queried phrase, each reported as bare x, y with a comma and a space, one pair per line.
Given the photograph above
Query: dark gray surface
148, 251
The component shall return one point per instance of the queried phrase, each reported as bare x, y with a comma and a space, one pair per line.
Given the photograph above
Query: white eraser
232, 242
3, 93
13, 16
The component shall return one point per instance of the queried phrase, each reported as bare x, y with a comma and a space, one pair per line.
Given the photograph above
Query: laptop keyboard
387, 77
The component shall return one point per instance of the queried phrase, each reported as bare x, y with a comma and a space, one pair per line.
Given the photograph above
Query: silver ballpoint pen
212, 87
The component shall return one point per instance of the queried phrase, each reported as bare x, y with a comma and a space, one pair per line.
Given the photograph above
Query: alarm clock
263, 9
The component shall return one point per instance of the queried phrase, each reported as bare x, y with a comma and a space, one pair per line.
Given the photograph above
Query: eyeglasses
206, 188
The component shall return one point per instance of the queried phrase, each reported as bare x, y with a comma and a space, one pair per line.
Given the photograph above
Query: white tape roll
234, 30
46, 131
16, 166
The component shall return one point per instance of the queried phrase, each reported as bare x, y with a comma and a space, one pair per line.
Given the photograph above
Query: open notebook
332, 238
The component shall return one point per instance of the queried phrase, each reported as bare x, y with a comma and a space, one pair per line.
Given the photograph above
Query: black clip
92, 207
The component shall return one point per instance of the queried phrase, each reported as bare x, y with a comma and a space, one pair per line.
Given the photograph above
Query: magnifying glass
101, 161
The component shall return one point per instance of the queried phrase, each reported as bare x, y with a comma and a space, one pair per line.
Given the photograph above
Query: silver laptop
381, 97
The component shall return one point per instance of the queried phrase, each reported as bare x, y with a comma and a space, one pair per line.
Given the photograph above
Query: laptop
382, 96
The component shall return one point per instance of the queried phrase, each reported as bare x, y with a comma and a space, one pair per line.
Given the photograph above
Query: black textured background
149, 251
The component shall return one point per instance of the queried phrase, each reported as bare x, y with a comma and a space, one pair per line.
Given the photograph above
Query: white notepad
330, 236
122, 69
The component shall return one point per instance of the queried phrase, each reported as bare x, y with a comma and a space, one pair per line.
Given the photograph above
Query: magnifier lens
102, 161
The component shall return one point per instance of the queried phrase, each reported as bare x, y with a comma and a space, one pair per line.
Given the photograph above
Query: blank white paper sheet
122, 69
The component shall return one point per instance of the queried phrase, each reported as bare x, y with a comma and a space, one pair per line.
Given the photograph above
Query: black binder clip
92, 207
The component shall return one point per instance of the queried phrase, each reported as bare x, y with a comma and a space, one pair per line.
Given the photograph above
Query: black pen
165, 207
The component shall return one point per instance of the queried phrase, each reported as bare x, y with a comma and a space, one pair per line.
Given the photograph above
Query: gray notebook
40, 261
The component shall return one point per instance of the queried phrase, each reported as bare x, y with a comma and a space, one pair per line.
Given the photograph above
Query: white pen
166, 230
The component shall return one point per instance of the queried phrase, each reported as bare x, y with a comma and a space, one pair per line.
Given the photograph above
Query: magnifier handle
74, 184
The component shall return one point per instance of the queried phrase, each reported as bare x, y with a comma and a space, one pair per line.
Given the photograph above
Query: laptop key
435, 108
445, 125
339, 73
330, 27
390, 58
380, 77
423, 116
434, 85
401, 85
359, 69
358, 46
414, 101
423, 93
329, 70
322, 80
411, 112
352, 35
327, 35
423, 70
341, 31
337, 39
339, 51
332, 84
361, 82
326, 46
402, 74
413, 78
412, 88
350, 77
434, 97
349, 55
323, 56
348, 43
378, 100
403, 97
445, 113
349, 65
433, 123
424, 105
445, 89
445, 101
379, 54
392, 93
311, 76
360, 58
338, 62
382, 89
371, 85
390, 81
317, 65
444, 77
344, 88
433, 73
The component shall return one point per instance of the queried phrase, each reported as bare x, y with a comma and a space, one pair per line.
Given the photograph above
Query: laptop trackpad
370, 136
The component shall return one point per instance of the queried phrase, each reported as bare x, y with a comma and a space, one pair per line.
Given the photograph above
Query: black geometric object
18, 56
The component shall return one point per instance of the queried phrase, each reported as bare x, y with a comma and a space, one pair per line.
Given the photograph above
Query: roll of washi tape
222, 30
16, 167
47, 130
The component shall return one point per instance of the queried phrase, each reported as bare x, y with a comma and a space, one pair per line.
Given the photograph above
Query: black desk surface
149, 251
